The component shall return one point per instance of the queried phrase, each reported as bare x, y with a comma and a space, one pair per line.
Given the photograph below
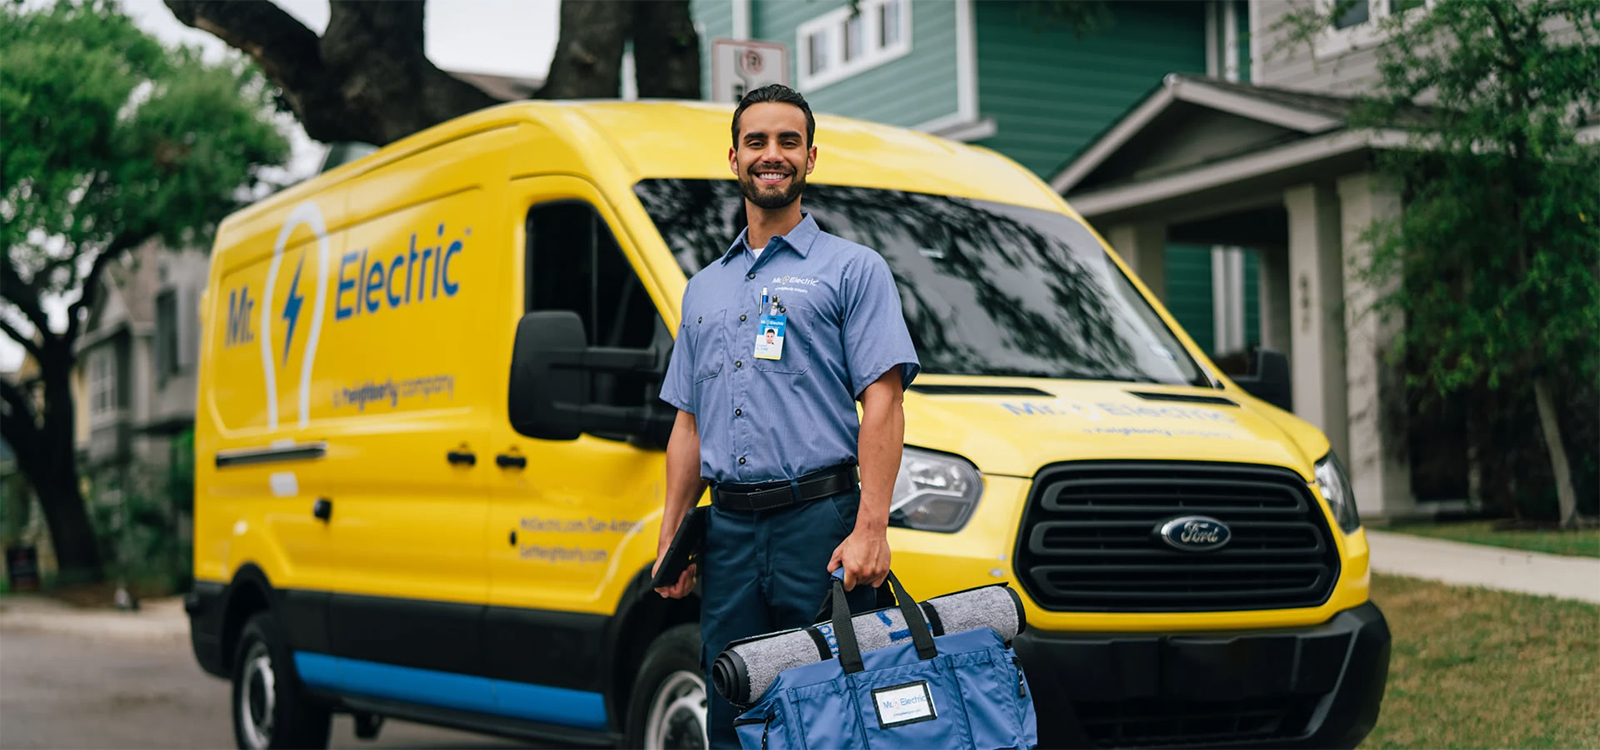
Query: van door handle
322, 509
463, 457
506, 461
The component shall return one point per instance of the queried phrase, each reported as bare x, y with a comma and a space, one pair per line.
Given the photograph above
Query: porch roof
1194, 134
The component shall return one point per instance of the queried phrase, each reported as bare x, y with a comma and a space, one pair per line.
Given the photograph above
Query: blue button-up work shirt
762, 420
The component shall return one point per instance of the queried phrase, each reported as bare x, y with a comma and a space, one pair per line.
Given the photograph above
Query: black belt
770, 495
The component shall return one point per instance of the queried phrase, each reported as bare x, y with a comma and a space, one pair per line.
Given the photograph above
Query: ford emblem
1194, 533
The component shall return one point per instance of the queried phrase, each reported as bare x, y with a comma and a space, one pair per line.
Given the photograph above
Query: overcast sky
504, 37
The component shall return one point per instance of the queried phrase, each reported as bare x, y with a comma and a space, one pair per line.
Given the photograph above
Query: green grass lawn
1472, 668
1582, 542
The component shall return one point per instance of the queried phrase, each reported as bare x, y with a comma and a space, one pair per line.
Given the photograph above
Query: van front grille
1090, 539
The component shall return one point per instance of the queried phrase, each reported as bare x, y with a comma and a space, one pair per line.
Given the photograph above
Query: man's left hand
865, 558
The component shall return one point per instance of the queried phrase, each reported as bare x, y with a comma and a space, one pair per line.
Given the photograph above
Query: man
777, 437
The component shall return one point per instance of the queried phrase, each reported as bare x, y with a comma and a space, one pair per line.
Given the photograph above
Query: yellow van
430, 448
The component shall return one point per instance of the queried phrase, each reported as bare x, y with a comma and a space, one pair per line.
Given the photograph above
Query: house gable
1183, 135
1193, 120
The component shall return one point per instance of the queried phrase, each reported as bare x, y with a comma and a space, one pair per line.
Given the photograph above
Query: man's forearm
882, 442
684, 484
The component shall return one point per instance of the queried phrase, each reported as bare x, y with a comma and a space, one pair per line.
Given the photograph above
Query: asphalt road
63, 690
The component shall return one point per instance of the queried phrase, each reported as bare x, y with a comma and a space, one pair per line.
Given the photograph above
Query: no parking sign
739, 65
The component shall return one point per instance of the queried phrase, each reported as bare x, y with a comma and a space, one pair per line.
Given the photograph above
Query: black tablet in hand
685, 547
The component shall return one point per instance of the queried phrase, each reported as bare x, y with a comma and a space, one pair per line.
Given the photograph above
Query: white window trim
831, 24
103, 381
1334, 42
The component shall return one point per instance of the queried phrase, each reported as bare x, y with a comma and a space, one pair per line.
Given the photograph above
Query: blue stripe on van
550, 705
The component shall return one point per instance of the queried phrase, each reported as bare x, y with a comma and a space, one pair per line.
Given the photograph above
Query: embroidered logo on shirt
795, 280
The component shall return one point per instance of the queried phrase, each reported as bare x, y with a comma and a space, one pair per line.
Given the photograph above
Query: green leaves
109, 134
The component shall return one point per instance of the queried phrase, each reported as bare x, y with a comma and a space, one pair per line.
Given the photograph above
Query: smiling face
770, 156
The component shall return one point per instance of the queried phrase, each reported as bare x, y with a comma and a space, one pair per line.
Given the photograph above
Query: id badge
769, 337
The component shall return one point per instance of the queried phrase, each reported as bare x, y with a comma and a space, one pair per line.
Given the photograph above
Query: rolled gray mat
746, 668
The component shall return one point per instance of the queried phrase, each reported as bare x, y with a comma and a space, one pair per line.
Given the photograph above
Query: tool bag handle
844, 629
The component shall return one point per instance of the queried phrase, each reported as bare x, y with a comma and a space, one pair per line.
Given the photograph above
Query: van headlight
1336, 488
934, 492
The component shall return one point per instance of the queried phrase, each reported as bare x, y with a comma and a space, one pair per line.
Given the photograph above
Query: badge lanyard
769, 334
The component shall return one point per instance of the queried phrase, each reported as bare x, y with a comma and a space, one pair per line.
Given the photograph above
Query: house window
1359, 24
838, 45
167, 333
854, 44
888, 24
817, 52
1354, 15
103, 380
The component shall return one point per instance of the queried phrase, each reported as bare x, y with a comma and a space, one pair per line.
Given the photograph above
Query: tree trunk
1566, 495
71, 534
588, 59
45, 454
666, 50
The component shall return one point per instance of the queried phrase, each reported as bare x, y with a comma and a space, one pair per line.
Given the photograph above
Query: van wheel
270, 707
668, 708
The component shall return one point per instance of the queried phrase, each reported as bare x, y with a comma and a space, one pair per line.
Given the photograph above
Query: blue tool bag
960, 690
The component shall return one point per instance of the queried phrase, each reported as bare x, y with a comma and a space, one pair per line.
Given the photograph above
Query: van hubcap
678, 714
258, 698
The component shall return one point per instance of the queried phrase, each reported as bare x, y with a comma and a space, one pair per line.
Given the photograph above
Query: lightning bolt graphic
291, 308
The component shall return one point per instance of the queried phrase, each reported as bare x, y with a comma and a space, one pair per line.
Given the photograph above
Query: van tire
265, 682
673, 664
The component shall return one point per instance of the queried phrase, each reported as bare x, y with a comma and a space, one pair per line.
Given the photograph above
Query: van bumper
1302, 687
206, 605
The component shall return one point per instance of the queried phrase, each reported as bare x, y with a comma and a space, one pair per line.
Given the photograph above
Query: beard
771, 198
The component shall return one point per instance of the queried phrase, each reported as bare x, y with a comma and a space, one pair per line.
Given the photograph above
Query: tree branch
27, 299
26, 342
366, 79
375, 50
91, 281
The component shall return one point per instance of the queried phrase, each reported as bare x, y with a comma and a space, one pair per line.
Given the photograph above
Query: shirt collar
800, 238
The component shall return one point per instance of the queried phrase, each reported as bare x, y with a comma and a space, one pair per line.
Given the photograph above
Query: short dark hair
775, 92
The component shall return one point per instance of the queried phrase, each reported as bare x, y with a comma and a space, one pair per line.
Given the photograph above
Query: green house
1012, 77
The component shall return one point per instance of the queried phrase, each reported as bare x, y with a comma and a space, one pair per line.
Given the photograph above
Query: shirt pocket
800, 325
710, 343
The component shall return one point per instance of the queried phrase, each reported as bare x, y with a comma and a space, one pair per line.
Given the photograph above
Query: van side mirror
1269, 378
551, 371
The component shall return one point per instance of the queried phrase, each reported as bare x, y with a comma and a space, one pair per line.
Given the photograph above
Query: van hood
1016, 426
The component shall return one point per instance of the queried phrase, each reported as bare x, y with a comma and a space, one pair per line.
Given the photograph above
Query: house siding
1043, 119
1292, 65
713, 19
906, 91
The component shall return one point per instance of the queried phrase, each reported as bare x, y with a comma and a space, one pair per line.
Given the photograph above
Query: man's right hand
685, 582
684, 484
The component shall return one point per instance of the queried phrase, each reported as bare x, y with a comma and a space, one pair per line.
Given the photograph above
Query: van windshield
987, 288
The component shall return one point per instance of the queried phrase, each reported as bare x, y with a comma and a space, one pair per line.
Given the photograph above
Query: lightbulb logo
292, 310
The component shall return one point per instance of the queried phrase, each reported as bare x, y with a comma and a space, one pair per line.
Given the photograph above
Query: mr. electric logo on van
367, 282
398, 280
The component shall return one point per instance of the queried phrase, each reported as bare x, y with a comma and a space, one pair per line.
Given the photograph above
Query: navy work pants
765, 571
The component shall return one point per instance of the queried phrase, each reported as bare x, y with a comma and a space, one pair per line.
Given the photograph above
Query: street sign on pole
739, 65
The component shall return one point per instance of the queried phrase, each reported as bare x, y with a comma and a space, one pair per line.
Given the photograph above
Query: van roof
689, 139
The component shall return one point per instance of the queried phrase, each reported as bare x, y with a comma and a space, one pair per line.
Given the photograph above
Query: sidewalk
1481, 565
158, 619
